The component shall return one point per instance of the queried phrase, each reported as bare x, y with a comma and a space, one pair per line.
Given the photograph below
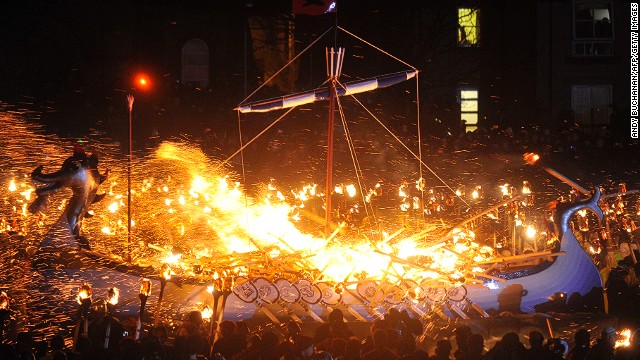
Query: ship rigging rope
285, 66
419, 141
244, 176
377, 48
254, 138
354, 158
406, 147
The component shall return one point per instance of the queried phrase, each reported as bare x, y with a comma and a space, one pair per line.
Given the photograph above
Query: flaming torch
145, 292
222, 285
623, 338
166, 275
207, 315
532, 159
84, 303
112, 300
212, 324
4, 311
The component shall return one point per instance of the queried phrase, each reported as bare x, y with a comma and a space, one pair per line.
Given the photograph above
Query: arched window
195, 64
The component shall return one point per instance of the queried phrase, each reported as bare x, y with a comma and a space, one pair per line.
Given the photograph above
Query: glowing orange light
4, 300
142, 82
623, 338
531, 158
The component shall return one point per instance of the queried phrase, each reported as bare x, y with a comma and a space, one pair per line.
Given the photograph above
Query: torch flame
4, 301
84, 292
624, 338
207, 312
113, 295
145, 287
531, 158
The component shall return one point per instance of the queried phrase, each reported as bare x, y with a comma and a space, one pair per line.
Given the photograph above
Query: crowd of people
393, 337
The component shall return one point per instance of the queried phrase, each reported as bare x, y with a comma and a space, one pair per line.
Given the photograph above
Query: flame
531, 231
206, 312
624, 338
113, 295
84, 292
181, 203
475, 194
166, 271
4, 301
145, 287
531, 158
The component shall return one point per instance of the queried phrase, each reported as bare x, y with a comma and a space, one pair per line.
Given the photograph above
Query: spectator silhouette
380, 345
227, 345
536, 349
474, 348
580, 350
604, 349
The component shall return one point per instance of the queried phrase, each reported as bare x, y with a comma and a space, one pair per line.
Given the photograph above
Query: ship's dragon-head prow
80, 173
565, 210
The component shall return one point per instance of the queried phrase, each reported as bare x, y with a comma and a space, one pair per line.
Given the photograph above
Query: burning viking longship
289, 275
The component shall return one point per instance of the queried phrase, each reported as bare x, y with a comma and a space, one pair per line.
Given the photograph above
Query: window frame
589, 112
594, 46
477, 28
462, 99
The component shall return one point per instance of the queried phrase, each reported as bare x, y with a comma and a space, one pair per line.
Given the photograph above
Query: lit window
592, 28
469, 108
468, 27
591, 104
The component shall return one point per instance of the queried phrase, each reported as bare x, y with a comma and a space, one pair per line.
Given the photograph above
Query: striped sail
320, 94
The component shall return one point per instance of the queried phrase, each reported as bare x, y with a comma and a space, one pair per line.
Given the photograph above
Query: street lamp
4, 311
112, 300
145, 292
130, 100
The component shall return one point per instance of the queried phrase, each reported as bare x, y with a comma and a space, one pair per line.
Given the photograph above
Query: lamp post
130, 100
84, 303
4, 311
165, 276
145, 292
112, 300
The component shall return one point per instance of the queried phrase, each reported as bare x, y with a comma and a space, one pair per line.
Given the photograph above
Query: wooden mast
334, 69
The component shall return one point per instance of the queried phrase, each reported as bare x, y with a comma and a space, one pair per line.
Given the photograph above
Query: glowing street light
142, 81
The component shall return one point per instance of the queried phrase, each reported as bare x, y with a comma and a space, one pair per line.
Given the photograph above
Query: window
195, 64
468, 28
469, 108
591, 104
592, 28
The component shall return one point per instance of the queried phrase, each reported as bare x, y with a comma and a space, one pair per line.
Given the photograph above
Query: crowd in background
393, 337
